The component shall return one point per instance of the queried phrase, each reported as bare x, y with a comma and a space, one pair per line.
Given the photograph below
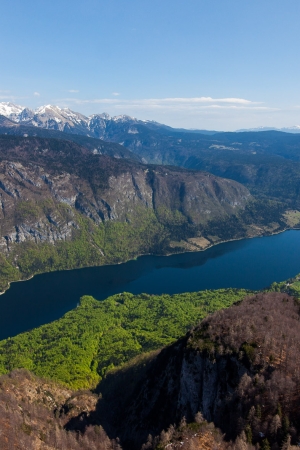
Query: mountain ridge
63, 206
64, 119
9, 127
261, 161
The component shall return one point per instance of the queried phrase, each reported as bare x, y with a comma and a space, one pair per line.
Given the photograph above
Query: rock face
263, 162
53, 117
95, 145
239, 368
44, 182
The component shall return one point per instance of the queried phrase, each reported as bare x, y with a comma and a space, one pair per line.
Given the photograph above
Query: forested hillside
82, 346
65, 207
238, 369
267, 162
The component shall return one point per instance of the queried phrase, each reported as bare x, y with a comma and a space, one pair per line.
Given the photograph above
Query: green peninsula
81, 347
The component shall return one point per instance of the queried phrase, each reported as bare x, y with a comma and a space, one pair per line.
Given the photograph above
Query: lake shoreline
250, 264
153, 254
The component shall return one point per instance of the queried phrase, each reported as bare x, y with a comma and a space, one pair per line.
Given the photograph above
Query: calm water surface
253, 264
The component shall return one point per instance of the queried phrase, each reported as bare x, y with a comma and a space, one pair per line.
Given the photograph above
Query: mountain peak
10, 110
123, 118
46, 108
104, 116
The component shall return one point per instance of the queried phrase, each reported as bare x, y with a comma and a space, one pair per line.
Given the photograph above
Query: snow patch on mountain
10, 110
96, 125
124, 118
292, 129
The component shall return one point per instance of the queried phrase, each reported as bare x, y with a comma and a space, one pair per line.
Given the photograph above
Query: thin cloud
36, 94
73, 91
115, 94
204, 100
179, 104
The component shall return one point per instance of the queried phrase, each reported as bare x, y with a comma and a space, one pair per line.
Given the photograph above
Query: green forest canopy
78, 349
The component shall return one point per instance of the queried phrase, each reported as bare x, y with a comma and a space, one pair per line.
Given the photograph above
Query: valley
149, 225
248, 263
64, 207
199, 353
70, 200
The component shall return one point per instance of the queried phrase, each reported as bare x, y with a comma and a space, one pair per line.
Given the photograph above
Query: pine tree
265, 445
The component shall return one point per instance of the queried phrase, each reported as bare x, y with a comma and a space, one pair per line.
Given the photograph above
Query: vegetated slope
33, 413
265, 175
8, 127
36, 415
268, 163
83, 345
177, 148
63, 207
260, 160
239, 368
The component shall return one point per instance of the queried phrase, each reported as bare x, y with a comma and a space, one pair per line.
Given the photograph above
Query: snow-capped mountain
101, 126
63, 119
11, 110
56, 118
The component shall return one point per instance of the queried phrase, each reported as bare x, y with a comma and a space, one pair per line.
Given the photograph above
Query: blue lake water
252, 263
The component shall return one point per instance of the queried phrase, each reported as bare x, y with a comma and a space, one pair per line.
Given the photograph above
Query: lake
251, 263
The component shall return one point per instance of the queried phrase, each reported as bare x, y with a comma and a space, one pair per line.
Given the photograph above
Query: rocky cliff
239, 368
266, 162
38, 176
94, 209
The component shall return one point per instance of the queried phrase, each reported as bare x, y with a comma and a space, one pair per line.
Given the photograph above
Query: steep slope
53, 117
8, 127
95, 184
33, 413
10, 110
239, 368
47, 116
63, 119
63, 207
36, 413
263, 161
268, 163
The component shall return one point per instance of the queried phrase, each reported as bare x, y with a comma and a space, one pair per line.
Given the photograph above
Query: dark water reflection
253, 264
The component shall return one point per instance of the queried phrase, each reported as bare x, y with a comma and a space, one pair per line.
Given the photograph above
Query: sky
206, 64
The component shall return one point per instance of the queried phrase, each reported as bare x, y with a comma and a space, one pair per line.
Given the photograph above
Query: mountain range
255, 159
65, 192
63, 119
79, 191
63, 206
294, 129
98, 125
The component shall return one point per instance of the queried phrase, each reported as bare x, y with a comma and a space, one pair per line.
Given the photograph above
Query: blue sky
216, 64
